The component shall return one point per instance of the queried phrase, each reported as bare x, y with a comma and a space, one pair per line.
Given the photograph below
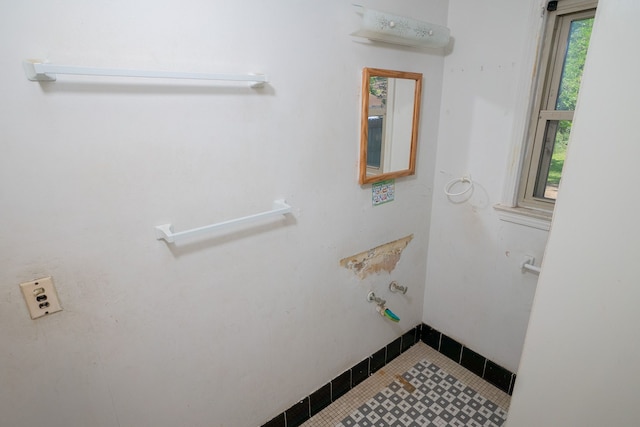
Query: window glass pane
552, 158
566, 42
378, 89
374, 142
579, 34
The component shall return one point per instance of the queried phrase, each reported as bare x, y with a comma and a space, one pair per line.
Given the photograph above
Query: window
375, 150
378, 89
566, 40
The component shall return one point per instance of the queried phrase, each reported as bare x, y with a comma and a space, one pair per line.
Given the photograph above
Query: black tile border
336, 388
340, 385
409, 339
298, 413
430, 336
320, 399
277, 422
476, 363
378, 360
394, 349
498, 376
360, 372
451, 348
473, 361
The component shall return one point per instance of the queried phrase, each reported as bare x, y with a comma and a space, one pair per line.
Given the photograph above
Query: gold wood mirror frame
389, 124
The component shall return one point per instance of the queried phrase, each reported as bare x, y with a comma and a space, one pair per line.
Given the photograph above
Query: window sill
533, 218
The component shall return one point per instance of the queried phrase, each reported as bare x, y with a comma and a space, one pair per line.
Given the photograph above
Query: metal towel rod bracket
528, 264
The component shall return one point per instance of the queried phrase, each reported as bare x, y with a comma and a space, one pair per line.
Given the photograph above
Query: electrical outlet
41, 297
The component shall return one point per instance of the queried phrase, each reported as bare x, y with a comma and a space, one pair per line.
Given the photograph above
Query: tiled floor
347, 405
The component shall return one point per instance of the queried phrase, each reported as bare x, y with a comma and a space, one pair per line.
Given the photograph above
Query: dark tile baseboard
479, 365
336, 388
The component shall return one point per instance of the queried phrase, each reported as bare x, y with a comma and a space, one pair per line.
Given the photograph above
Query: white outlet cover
41, 297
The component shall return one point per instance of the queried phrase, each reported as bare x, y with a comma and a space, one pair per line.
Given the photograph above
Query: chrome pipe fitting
371, 297
394, 287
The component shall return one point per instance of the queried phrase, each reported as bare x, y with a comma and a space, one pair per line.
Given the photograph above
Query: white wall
476, 292
229, 330
580, 360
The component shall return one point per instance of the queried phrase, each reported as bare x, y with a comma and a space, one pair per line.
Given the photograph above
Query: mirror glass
389, 126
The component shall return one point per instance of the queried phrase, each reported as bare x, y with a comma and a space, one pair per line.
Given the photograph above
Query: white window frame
518, 204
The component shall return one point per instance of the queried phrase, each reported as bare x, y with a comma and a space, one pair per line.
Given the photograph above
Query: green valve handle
391, 315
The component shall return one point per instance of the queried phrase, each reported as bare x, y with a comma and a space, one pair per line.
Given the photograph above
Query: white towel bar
39, 71
280, 207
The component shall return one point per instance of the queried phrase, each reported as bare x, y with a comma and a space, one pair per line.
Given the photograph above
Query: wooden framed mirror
389, 124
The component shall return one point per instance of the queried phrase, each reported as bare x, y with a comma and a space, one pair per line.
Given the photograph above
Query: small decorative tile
450, 348
383, 192
298, 413
498, 376
378, 360
320, 399
473, 361
276, 422
340, 385
360, 372
393, 349
408, 340
430, 336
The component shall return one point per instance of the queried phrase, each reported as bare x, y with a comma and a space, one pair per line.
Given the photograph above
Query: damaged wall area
383, 257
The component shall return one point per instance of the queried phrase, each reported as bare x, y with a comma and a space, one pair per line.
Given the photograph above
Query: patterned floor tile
438, 398
419, 388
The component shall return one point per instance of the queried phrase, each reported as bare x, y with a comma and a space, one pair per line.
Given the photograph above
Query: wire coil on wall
453, 182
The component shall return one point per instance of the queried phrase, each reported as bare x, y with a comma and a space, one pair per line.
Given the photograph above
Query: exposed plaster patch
383, 257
